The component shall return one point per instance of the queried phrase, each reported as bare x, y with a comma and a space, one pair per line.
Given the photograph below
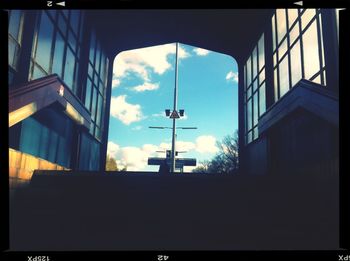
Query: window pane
255, 102
97, 59
12, 53
69, 69
255, 85
255, 67
249, 92
93, 105
14, 23
311, 57
256, 133
294, 33
249, 114
249, 137
275, 84
92, 47
74, 20
281, 24
262, 76
295, 63
88, 94
249, 71
99, 110
282, 49
58, 56
262, 98
43, 49
62, 24
292, 16
72, 41
306, 17
317, 79
261, 52
273, 33
38, 73
284, 78
245, 77
275, 59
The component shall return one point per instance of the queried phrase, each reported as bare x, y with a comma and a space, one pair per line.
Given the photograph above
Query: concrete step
146, 211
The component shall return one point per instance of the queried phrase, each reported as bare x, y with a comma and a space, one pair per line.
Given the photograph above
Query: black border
344, 179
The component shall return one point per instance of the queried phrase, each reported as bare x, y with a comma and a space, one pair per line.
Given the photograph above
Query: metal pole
174, 120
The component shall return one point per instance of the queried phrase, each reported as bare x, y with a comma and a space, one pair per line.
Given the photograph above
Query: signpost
174, 115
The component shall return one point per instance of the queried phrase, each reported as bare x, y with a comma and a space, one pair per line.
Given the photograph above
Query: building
288, 75
59, 84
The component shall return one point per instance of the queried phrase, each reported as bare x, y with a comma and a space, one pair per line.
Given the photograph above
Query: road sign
174, 115
179, 161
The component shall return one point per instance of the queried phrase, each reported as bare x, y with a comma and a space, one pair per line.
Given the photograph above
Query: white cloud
124, 111
185, 117
206, 144
161, 114
146, 86
137, 128
201, 52
136, 158
115, 83
140, 61
232, 76
112, 149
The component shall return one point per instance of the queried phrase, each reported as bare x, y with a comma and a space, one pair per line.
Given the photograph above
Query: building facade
290, 95
60, 71
59, 78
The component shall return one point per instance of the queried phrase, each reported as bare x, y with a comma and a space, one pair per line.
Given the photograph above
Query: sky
143, 87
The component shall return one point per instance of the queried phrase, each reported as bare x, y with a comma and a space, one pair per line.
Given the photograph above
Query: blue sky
143, 87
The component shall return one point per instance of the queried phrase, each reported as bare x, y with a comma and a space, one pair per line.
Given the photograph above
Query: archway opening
143, 88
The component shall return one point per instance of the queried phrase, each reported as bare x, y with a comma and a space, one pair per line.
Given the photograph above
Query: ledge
310, 96
35, 95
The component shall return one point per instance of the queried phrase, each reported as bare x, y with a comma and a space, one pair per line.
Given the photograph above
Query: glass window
249, 72
92, 48
275, 84
306, 17
294, 33
38, 73
255, 67
15, 24
12, 55
292, 16
99, 110
44, 43
62, 24
255, 85
295, 62
282, 49
58, 55
255, 115
93, 105
249, 112
311, 54
284, 76
69, 69
72, 41
262, 99
273, 33
261, 52
88, 94
281, 24
262, 76
74, 20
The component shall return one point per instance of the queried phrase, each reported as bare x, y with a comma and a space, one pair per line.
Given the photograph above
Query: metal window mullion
301, 47
320, 45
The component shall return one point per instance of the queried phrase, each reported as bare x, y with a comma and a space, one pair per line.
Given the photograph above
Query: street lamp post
174, 119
